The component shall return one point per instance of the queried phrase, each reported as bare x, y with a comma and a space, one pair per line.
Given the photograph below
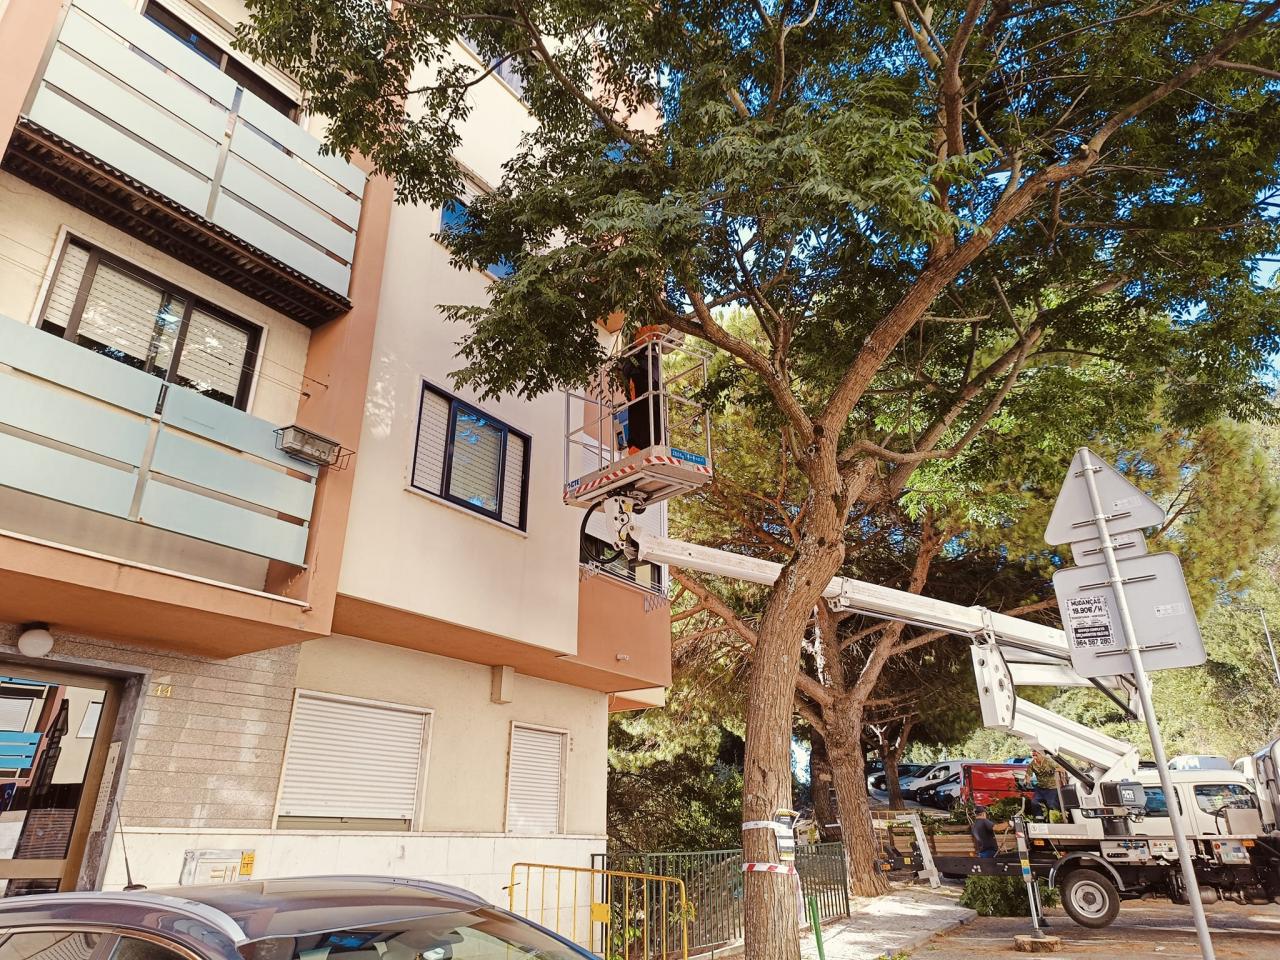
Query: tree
918, 208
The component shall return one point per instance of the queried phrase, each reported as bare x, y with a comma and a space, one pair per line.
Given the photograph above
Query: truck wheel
1090, 899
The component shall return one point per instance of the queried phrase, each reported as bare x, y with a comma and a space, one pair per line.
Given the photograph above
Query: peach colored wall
618, 621
25, 28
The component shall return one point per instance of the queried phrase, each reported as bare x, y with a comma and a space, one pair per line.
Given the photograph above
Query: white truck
1112, 846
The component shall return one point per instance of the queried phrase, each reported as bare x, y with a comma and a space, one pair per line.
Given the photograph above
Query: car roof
230, 914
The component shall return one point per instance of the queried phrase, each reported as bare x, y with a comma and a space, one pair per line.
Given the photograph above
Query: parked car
289, 919
934, 775
905, 771
873, 769
941, 795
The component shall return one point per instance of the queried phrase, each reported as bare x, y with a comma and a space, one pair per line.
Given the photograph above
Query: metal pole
1148, 710
1266, 631
1024, 861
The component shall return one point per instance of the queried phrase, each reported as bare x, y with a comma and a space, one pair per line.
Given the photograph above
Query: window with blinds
112, 308
471, 459
535, 787
352, 760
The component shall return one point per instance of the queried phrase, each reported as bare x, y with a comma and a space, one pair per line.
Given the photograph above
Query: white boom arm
1007, 651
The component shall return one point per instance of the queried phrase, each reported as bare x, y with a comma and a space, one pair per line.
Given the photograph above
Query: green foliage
1003, 896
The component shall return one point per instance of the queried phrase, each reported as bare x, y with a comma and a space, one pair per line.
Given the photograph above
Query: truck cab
1203, 798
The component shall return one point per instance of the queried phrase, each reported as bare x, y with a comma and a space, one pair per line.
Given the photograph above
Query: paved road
1143, 930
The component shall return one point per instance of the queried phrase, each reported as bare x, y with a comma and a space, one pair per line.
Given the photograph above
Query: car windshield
923, 771
472, 935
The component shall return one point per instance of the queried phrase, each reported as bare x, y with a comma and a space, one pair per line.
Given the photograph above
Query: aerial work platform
640, 430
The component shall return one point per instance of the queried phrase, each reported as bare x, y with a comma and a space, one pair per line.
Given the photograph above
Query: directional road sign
1126, 507
1088, 552
1163, 618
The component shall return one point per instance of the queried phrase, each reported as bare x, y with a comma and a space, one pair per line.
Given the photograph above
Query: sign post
1170, 632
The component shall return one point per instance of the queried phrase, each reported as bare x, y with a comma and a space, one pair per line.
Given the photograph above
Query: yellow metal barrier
615, 914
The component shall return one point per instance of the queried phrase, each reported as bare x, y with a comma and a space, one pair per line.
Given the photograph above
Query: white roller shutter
513, 480
433, 434
534, 788
353, 759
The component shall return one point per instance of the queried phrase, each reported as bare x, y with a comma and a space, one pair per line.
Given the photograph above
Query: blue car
303, 918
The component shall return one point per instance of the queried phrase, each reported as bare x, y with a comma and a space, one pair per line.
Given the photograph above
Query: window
506, 70
535, 793
454, 218
471, 459
1157, 805
1212, 797
50, 945
211, 51
639, 572
476, 933
112, 308
352, 762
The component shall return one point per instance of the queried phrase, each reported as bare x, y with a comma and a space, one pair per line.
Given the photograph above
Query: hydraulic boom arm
1007, 651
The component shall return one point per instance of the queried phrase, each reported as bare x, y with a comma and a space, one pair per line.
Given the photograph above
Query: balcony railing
83, 429
124, 91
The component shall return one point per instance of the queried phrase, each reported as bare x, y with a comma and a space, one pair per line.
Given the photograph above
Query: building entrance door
55, 729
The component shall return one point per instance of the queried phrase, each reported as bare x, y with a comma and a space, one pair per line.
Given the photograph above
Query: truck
1113, 845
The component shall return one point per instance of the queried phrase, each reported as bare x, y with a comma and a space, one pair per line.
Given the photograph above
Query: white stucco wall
405, 549
470, 736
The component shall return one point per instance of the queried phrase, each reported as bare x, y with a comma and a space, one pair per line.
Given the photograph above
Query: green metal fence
713, 884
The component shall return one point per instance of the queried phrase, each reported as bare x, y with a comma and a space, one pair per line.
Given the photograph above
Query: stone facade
210, 735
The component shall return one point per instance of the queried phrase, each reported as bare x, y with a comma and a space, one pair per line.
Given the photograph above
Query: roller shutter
534, 789
353, 759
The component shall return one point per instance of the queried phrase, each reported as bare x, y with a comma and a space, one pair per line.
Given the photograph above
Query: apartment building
221, 654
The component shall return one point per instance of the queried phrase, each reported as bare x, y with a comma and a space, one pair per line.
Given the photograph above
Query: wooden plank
190, 411
156, 170
46, 472
233, 215
164, 132
197, 463
173, 53
269, 196
60, 361
300, 143
187, 513
70, 419
298, 177
181, 99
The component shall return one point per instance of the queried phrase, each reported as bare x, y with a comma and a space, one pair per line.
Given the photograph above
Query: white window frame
564, 774
424, 764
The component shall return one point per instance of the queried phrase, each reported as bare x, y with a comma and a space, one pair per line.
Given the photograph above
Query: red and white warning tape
769, 868
621, 472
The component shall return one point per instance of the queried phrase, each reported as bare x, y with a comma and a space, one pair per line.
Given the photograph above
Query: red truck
982, 784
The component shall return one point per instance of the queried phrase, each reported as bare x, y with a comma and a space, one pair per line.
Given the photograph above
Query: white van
932, 776
1199, 761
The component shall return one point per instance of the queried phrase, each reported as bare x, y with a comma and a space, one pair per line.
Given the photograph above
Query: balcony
173, 496
131, 125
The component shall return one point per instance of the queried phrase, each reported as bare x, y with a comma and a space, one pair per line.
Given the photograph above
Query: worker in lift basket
984, 834
641, 381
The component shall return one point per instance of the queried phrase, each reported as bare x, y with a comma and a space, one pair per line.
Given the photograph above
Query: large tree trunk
770, 900
824, 811
861, 848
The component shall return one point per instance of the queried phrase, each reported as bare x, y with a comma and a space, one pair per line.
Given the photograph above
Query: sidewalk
898, 922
